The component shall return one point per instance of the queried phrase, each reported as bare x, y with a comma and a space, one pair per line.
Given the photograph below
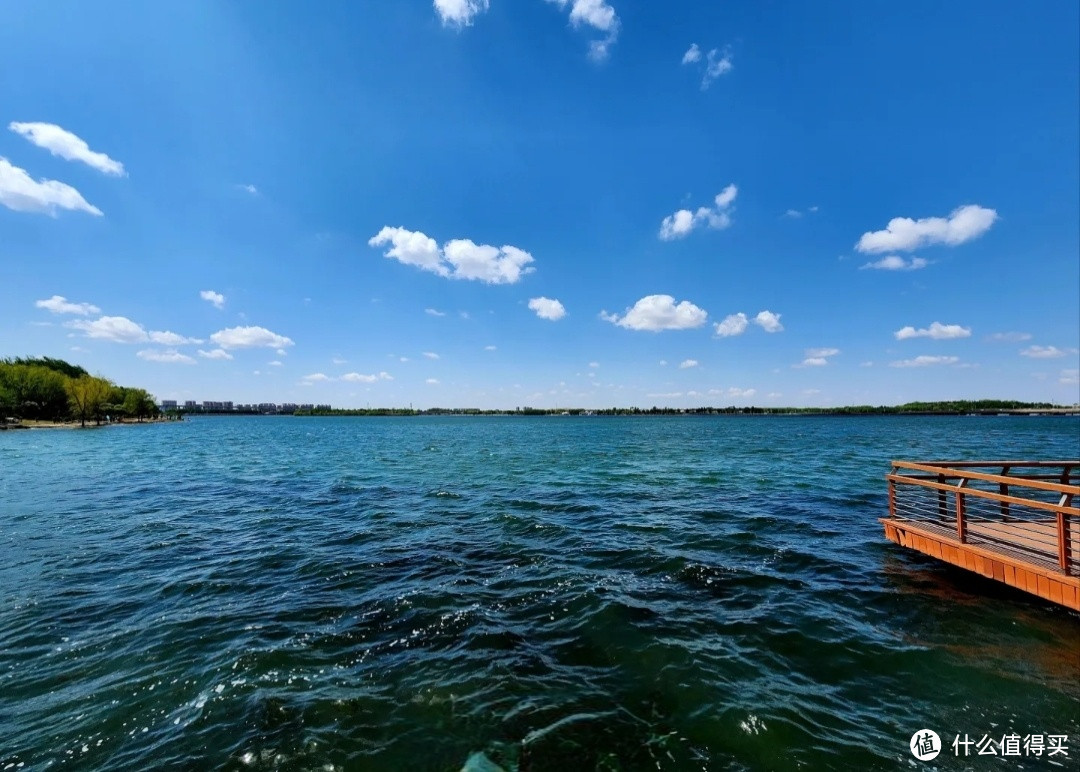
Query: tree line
47, 389
952, 407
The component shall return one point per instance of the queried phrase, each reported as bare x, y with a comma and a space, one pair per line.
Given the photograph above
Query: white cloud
217, 353
896, 263
1069, 377
818, 357
249, 189
716, 63
663, 363
490, 348
316, 378
726, 197
793, 213
428, 354
459, 13
411, 248
686, 364
715, 66
924, 361
216, 299
599, 15
659, 312
434, 312
733, 324
58, 304
734, 392
362, 378
677, 225
1043, 352
904, 234
936, 331
166, 338
594, 364
547, 308
457, 259
494, 265
432, 381
1010, 337
168, 357
118, 329
282, 352
717, 217
276, 363
768, 321
64, 144
338, 361
249, 337
20, 193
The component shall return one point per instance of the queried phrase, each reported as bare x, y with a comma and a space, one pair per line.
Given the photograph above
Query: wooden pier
1014, 521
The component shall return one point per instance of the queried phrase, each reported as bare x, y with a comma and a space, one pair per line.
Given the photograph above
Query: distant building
191, 405
168, 404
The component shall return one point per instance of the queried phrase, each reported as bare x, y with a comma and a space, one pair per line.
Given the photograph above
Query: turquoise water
556, 593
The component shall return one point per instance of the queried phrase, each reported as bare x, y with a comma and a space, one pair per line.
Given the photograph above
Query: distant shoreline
638, 412
35, 424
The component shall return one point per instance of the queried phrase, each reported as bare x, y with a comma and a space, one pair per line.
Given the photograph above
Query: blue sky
535, 202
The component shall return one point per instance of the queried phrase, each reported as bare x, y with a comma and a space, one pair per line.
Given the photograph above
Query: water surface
555, 593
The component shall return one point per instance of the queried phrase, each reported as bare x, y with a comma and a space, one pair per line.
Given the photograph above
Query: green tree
7, 402
59, 365
33, 391
139, 403
87, 395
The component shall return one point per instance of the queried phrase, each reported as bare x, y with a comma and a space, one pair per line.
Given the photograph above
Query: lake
556, 593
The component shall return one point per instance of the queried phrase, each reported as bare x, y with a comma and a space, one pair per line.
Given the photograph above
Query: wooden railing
1022, 508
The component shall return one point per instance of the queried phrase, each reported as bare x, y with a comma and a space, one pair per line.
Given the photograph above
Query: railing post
1003, 489
1063, 534
961, 525
942, 500
892, 499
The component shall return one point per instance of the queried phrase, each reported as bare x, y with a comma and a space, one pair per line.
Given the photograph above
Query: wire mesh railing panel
1029, 515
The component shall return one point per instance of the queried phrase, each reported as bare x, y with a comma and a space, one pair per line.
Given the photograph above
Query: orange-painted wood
1045, 581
